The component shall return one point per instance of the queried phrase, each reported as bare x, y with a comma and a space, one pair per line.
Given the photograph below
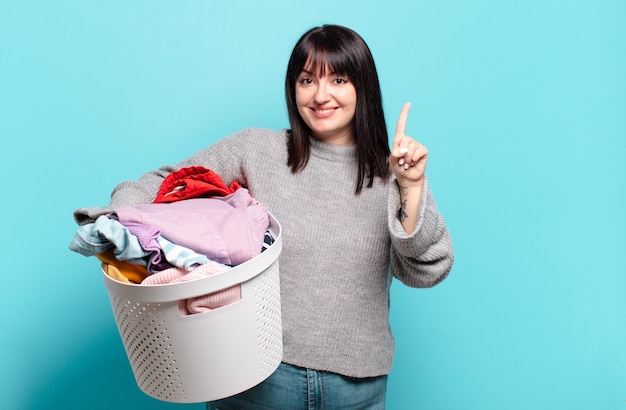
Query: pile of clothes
196, 227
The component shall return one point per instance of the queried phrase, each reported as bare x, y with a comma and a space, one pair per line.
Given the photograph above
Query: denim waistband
296, 388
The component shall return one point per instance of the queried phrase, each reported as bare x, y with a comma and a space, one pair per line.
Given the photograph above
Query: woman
350, 208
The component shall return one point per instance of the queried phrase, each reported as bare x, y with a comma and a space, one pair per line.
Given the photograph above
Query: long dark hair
343, 51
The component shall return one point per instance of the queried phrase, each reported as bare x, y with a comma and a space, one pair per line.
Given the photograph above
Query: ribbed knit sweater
340, 249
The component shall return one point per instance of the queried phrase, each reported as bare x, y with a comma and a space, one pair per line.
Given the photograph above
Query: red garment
193, 182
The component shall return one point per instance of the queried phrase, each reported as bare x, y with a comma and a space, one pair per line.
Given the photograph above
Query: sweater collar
332, 152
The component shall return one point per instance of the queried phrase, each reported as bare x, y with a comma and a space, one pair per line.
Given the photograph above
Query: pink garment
202, 303
228, 229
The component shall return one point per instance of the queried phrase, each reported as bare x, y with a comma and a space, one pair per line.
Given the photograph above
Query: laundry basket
205, 356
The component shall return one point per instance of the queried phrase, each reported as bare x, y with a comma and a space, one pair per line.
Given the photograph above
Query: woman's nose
322, 92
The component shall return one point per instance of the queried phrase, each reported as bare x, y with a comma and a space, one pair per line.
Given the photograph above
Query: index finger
401, 125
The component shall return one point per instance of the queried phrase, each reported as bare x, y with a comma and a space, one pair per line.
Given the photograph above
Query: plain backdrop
522, 105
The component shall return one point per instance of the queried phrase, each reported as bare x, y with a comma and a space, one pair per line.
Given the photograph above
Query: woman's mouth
324, 112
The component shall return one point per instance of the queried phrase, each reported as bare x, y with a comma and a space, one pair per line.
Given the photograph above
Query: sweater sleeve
224, 157
425, 257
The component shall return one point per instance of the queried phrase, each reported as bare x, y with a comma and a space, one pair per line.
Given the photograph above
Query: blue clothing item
106, 233
181, 256
297, 388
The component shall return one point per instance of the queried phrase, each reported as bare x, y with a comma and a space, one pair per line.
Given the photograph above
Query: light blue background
521, 103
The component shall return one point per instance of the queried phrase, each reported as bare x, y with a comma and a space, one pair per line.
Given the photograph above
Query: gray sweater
337, 246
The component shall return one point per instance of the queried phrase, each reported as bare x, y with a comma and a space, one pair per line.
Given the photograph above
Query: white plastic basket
205, 356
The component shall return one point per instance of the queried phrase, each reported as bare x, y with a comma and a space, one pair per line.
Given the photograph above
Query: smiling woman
336, 268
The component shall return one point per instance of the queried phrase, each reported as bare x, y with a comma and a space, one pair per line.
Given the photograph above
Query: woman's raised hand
408, 157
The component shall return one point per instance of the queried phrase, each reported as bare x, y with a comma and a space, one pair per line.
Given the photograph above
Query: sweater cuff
84, 216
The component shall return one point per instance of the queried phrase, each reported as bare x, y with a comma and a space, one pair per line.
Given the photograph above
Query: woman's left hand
408, 157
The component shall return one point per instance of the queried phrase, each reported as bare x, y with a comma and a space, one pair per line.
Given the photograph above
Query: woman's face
327, 104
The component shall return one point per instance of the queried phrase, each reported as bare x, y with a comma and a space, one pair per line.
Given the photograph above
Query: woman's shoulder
264, 133
248, 143
258, 138
252, 135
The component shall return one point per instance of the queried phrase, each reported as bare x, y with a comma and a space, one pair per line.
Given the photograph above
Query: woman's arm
421, 248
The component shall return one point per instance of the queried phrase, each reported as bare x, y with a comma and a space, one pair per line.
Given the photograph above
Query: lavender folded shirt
228, 229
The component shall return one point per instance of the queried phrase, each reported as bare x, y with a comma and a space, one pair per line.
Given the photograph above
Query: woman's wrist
410, 197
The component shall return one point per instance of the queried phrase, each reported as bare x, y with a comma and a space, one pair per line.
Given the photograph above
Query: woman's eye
341, 80
305, 81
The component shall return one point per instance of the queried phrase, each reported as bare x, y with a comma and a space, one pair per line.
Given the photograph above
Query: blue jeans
295, 388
